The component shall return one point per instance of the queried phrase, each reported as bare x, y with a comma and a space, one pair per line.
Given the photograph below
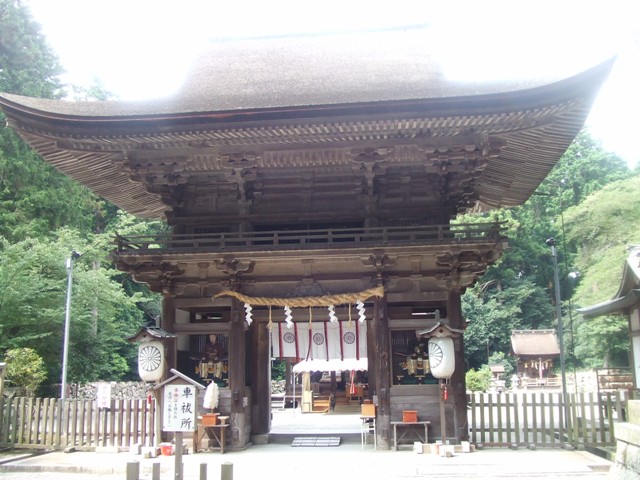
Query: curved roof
535, 343
307, 102
628, 294
301, 71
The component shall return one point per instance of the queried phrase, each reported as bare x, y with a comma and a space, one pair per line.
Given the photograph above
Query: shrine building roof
330, 99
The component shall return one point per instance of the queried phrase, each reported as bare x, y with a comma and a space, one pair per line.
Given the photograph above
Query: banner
320, 341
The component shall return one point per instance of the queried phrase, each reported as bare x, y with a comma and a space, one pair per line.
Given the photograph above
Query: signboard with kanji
179, 408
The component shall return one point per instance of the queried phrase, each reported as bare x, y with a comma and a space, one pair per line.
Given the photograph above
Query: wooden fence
52, 423
500, 420
541, 419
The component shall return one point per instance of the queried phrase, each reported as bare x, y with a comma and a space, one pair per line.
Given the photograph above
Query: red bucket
166, 449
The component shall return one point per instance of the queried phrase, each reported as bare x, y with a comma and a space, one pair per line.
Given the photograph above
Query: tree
517, 292
103, 314
35, 199
25, 370
478, 380
599, 229
28, 66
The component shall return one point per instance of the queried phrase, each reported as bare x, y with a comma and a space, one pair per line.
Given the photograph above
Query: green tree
517, 292
599, 230
28, 65
35, 198
32, 307
25, 370
478, 380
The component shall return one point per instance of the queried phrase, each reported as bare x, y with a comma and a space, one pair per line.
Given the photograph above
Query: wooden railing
314, 239
52, 423
538, 419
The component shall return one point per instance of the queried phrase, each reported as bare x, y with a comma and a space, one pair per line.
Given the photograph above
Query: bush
478, 380
25, 370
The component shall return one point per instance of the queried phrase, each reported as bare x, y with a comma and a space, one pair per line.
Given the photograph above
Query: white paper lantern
151, 361
441, 357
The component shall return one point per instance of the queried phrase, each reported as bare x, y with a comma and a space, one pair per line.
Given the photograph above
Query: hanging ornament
332, 314
248, 316
270, 324
349, 324
287, 317
360, 307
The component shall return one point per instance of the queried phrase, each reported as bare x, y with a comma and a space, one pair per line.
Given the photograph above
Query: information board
179, 408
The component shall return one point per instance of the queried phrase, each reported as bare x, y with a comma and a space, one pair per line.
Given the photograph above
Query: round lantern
441, 357
151, 361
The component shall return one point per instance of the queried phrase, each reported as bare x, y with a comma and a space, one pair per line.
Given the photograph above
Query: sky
142, 49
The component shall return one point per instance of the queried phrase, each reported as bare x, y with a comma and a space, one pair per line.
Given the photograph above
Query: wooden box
209, 419
368, 410
409, 416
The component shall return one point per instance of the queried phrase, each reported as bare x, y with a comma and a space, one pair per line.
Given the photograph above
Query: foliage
28, 66
278, 369
500, 358
478, 380
25, 370
32, 307
599, 229
35, 199
492, 312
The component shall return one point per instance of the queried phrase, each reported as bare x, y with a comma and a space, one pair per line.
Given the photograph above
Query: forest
589, 204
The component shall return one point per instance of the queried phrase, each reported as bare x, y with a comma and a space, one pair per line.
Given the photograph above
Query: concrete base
627, 459
260, 439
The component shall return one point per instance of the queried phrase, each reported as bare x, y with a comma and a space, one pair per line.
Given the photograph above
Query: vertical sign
179, 408
103, 395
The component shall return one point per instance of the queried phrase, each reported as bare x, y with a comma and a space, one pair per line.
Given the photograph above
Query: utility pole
67, 320
552, 243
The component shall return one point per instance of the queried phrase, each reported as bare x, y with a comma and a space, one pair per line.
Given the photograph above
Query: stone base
627, 460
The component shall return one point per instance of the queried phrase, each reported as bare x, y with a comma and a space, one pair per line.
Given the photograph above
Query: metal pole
560, 329
67, 321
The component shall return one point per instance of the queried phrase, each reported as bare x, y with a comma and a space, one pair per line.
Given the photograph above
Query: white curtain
329, 341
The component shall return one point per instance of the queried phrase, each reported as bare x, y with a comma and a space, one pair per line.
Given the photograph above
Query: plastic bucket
166, 449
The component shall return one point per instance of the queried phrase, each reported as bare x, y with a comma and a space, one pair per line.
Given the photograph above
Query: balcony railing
313, 239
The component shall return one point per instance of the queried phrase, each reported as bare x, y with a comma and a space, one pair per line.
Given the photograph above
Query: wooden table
410, 427
218, 433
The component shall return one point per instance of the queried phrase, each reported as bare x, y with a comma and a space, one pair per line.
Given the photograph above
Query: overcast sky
141, 49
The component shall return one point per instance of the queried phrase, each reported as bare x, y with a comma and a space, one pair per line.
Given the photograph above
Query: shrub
478, 380
25, 370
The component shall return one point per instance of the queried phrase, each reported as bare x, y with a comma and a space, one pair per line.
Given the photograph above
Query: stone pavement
283, 462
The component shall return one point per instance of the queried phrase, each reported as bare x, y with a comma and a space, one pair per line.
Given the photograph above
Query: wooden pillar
167, 323
260, 374
237, 361
458, 393
379, 359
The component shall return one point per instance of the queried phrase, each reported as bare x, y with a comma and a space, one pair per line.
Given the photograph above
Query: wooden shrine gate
50, 423
537, 419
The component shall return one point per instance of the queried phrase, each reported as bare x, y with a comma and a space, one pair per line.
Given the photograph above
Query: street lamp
552, 243
67, 320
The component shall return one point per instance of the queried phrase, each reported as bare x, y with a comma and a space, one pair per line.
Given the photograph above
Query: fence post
155, 471
133, 470
203, 471
226, 471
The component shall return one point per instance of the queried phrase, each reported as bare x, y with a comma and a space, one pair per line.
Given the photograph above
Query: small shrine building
310, 184
535, 352
625, 302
